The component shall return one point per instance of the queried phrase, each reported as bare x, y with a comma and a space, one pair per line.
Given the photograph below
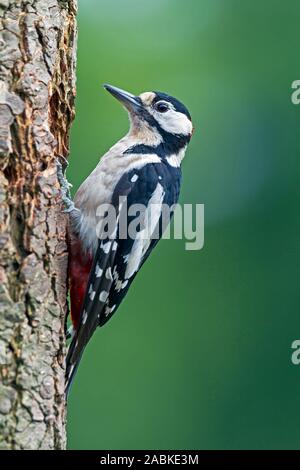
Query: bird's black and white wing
119, 258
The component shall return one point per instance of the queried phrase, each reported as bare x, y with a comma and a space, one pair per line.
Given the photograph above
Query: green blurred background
198, 355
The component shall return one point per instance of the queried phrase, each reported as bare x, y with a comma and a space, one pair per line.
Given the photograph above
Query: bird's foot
64, 186
64, 163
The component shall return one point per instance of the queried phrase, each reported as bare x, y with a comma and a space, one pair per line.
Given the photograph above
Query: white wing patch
109, 310
84, 317
98, 271
142, 242
134, 178
103, 296
106, 247
92, 295
108, 274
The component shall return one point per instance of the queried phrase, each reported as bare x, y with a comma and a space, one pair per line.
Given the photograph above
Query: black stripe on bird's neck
171, 145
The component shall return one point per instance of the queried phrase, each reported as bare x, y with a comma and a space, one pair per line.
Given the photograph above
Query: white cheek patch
174, 122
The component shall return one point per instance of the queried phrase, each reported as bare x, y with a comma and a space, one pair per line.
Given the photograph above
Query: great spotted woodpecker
142, 168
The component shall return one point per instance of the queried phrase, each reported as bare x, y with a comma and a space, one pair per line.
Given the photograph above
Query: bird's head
156, 118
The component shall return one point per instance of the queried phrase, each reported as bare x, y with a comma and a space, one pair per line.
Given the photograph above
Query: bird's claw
70, 207
64, 187
63, 162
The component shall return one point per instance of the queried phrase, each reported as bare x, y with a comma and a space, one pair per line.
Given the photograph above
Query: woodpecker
142, 168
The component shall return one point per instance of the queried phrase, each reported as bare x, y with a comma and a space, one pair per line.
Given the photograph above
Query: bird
144, 169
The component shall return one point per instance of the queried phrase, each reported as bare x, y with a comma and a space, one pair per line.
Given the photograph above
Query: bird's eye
161, 106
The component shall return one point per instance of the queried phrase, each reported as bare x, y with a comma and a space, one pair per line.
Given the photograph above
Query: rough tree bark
37, 89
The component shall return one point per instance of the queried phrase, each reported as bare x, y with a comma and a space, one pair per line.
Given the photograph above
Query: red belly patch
79, 269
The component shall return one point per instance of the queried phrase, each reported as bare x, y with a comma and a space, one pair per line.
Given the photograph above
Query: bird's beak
132, 103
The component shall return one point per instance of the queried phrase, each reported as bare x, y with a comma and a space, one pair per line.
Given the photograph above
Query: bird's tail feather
71, 368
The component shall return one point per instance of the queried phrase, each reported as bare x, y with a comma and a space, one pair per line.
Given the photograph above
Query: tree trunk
37, 90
